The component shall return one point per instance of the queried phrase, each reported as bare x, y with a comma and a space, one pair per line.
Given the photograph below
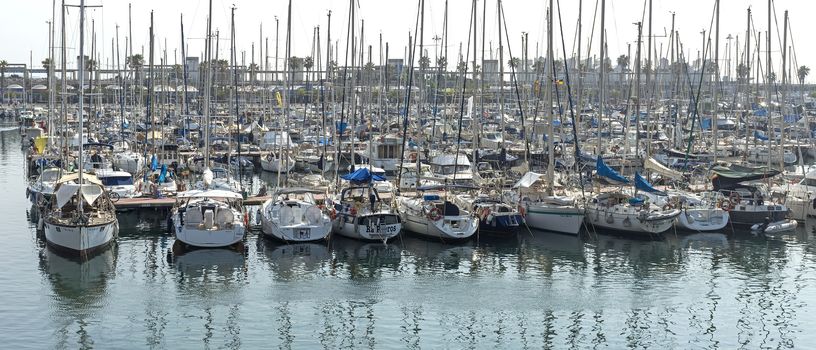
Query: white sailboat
81, 217
361, 213
431, 215
293, 215
547, 212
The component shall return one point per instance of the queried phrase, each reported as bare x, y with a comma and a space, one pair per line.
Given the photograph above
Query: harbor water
539, 290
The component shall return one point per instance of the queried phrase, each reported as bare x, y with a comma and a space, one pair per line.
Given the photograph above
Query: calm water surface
539, 290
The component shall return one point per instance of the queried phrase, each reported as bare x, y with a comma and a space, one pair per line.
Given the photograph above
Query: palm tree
538, 65
294, 64
177, 74
623, 63
3, 66
742, 72
802, 73
46, 63
136, 62
90, 66
369, 71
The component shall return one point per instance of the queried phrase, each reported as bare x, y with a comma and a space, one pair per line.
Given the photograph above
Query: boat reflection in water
365, 259
79, 285
293, 261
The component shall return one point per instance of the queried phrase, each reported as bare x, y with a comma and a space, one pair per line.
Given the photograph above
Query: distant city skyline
26, 30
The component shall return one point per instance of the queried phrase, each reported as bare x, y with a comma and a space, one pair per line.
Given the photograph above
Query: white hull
564, 219
216, 237
702, 219
449, 227
81, 238
629, 221
348, 226
276, 164
297, 230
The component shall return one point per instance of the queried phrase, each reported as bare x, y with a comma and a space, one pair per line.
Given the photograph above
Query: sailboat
81, 217
430, 214
293, 215
360, 212
547, 212
212, 216
620, 211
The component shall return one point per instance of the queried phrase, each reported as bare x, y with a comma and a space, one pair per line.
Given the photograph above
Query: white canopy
528, 180
661, 169
90, 192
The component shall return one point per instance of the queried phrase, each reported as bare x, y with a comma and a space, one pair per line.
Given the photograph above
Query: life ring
353, 211
269, 157
734, 198
246, 219
435, 214
725, 205
333, 214
522, 211
412, 156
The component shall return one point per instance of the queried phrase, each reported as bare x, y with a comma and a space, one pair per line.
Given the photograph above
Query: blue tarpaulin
362, 175
154, 163
163, 174
760, 136
643, 185
341, 126
609, 173
706, 124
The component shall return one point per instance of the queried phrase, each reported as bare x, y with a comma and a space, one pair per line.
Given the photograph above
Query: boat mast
81, 98
207, 81
716, 91
603, 74
550, 99
768, 89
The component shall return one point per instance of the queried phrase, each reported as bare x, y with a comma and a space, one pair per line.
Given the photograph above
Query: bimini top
209, 194
75, 177
362, 175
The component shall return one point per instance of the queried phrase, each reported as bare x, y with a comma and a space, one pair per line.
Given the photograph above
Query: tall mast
716, 91
603, 74
207, 81
548, 109
81, 97
784, 90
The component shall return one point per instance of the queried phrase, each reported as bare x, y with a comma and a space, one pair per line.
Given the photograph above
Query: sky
25, 31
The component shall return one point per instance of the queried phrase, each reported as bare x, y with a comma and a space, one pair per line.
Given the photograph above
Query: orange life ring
412, 156
435, 214
246, 219
725, 205
353, 211
333, 214
522, 211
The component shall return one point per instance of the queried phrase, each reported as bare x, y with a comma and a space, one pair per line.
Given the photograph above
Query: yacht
555, 213
293, 215
209, 218
118, 184
430, 214
360, 212
81, 218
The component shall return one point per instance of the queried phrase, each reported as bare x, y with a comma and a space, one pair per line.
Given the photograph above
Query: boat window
809, 182
116, 180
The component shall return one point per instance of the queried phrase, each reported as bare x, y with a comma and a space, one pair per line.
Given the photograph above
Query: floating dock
168, 202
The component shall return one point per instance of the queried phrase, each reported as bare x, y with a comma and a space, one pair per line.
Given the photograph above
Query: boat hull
702, 220
448, 227
367, 228
629, 222
80, 239
556, 219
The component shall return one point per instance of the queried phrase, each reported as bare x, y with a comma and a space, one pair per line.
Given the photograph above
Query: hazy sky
25, 30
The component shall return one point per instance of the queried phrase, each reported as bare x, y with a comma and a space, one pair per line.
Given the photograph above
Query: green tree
3, 66
46, 63
802, 73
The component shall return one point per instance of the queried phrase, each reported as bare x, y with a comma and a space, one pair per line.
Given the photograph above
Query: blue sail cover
643, 185
362, 175
760, 136
154, 163
609, 173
